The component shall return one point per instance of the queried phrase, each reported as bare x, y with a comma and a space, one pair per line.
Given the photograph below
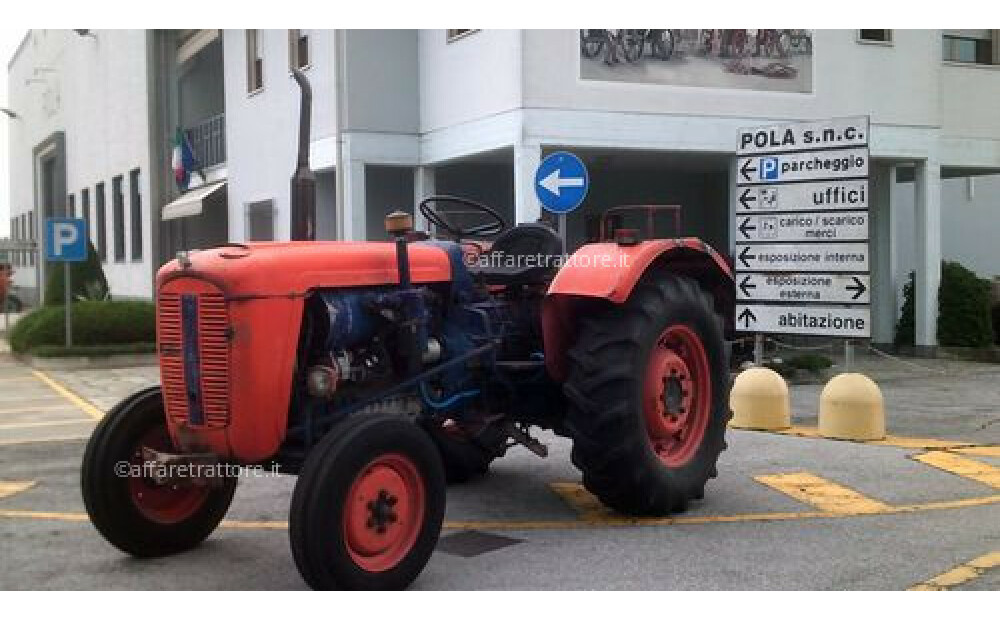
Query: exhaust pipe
303, 194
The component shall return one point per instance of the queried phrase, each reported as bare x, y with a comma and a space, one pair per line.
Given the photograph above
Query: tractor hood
279, 269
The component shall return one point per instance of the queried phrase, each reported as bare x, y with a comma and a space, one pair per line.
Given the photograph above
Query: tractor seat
525, 254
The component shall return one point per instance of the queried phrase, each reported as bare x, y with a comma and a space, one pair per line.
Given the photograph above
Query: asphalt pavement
787, 511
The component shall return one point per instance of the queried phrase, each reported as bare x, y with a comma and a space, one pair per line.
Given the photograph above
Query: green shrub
94, 323
996, 324
963, 309
812, 362
86, 277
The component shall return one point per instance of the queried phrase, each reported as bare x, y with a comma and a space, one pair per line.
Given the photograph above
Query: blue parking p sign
65, 239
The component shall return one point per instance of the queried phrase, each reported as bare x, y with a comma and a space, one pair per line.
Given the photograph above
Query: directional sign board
801, 229
836, 226
804, 287
821, 196
65, 239
842, 321
561, 182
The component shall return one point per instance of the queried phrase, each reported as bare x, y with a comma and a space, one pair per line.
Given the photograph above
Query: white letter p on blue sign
65, 239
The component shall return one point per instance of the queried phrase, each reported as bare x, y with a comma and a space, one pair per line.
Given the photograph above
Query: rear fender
603, 274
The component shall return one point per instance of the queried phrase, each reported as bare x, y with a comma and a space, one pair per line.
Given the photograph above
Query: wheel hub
677, 395
383, 512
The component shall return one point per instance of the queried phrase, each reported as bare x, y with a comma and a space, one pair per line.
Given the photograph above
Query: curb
89, 363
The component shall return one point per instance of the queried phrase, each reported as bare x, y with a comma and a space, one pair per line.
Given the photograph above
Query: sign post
801, 229
561, 184
66, 242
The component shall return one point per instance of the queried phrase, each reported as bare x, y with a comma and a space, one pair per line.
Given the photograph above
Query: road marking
66, 393
11, 488
892, 441
988, 451
56, 407
22, 442
587, 506
823, 494
560, 524
961, 466
963, 573
19, 425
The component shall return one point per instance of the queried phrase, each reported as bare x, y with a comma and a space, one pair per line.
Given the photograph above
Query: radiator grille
201, 399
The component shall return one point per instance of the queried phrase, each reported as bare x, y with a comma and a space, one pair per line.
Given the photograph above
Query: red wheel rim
161, 503
677, 395
384, 512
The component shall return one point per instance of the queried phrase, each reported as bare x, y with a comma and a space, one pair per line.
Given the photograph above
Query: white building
473, 112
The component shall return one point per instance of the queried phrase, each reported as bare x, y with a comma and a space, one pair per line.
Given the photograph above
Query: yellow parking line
22, 442
19, 425
963, 573
823, 494
66, 393
893, 441
989, 451
10, 488
961, 466
560, 524
581, 500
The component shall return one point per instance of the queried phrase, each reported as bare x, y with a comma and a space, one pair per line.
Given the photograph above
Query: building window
875, 36
101, 222
135, 206
260, 221
298, 49
459, 33
85, 206
71, 206
255, 64
15, 228
972, 46
118, 217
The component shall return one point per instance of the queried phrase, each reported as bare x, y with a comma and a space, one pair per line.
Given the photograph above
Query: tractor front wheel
368, 505
647, 391
137, 514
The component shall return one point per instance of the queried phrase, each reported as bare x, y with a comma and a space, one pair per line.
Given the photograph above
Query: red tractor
376, 371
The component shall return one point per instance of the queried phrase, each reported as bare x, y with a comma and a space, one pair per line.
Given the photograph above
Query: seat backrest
528, 239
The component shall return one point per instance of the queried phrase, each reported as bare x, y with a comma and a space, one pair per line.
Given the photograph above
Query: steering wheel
440, 220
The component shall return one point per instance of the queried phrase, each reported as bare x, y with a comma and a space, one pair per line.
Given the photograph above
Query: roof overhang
191, 203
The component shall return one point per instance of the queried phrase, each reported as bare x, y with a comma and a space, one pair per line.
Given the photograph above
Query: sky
9, 40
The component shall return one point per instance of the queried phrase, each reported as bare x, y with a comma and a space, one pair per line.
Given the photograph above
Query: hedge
95, 323
964, 313
86, 278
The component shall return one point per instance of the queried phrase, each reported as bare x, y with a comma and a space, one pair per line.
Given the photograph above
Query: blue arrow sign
65, 239
561, 182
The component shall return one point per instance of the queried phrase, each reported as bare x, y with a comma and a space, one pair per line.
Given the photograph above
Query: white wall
848, 78
94, 90
474, 76
262, 128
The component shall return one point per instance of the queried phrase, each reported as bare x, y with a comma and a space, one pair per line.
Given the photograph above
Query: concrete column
351, 224
526, 160
927, 183
883, 250
423, 186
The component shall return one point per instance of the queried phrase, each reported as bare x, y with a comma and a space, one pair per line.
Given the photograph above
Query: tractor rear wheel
135, 513
368, 505
647, 391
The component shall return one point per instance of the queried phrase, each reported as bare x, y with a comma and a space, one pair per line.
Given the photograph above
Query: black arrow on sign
746, 168
747, 196
858, 287
745, 226
746, 287
745, 257
746, 316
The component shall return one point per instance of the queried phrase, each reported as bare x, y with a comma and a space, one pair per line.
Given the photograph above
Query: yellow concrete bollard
759, 400
851, 407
